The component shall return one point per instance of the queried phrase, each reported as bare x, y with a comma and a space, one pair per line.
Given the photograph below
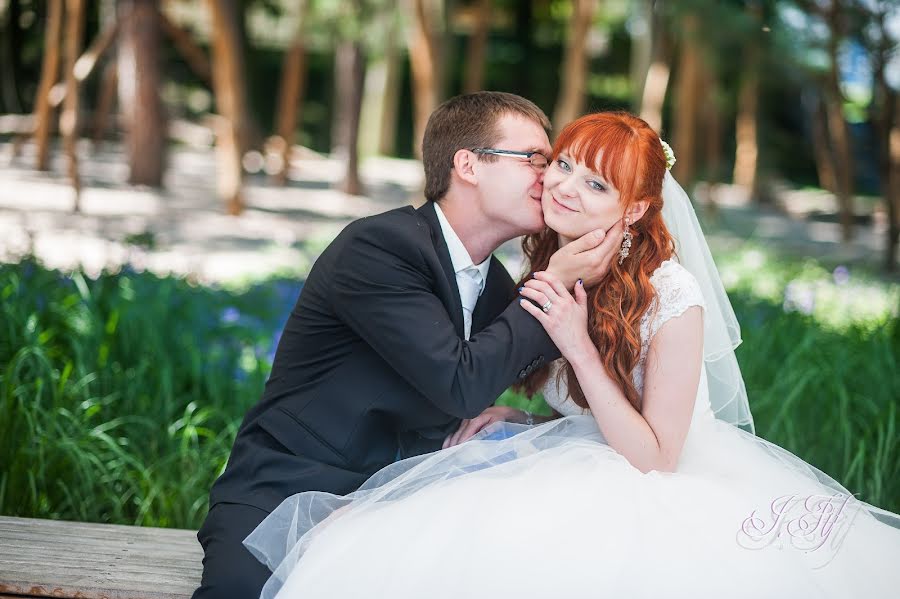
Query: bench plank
48, 558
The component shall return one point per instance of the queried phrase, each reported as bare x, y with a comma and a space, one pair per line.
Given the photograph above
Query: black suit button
529, 369
522, 374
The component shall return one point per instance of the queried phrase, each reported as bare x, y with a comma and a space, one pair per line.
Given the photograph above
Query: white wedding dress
552, 511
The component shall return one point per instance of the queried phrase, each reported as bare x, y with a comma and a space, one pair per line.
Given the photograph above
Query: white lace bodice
676, 291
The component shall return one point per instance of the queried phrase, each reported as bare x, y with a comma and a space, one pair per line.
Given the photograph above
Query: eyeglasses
537, 160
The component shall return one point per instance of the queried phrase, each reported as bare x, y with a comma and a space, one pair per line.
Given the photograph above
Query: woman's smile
561, 206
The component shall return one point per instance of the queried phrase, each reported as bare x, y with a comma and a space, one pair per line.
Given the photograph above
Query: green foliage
827, 395
120, 396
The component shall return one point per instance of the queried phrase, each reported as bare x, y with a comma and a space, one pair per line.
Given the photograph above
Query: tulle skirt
552, 511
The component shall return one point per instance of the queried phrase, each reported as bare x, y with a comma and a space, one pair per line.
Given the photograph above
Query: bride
646, 485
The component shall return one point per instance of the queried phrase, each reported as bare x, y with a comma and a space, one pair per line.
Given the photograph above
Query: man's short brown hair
466, 122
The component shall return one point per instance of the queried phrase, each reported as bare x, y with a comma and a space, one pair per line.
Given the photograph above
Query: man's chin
536, 227
531, 224
545, 222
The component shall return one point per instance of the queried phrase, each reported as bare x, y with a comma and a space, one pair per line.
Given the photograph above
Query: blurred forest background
814, 83
263, 126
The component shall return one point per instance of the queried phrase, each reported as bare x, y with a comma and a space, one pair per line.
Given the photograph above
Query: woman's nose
567, 186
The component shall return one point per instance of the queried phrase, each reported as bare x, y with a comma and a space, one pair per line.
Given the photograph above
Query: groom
406, 324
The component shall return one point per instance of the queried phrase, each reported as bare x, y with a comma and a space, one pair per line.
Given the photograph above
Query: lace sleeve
676, 291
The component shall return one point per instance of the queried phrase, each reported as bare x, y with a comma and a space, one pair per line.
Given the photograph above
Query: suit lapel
454, 305
496, 296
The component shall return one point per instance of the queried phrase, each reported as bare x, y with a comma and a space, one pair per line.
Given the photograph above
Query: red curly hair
631, 158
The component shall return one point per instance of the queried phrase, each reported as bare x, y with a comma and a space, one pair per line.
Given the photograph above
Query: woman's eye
596, 186
563, 164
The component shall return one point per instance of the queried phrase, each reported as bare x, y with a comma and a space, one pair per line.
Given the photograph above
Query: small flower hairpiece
670, 155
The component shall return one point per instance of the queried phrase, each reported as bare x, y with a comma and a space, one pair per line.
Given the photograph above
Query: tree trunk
105, 101
84, 66
391, 100
351, 75
229, 28
68, 123
476, 50
290, 98
746, 154
838, 132
228, 87
374, 93
190, 51
821, 147
657, 81
712, 142
892, 197
524, 38
43, 110
686, 104
88, 61
11, 64
251, 131
109, 81
139, 84
839, 138
886, 125
446, 53
380, 96
423, 57
641, 51
573, 82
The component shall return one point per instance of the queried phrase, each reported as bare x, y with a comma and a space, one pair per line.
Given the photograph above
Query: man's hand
588, 257
468, 428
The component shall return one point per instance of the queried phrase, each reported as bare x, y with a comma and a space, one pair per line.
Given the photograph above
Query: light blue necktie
470, 284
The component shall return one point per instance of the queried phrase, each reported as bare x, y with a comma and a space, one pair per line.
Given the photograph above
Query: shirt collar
459, 256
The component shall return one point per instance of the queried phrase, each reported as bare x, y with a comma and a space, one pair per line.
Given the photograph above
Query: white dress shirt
470, 278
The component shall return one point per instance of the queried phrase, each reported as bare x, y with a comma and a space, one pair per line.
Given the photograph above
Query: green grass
120, 396
820, 359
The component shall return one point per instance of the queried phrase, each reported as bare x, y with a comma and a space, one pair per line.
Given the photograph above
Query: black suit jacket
373, 362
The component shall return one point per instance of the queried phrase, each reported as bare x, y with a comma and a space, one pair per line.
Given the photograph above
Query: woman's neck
563, 240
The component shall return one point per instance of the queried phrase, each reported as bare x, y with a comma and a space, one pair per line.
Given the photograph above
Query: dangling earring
626, 241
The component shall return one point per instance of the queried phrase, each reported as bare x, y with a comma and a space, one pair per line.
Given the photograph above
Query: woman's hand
468, 428
565, 318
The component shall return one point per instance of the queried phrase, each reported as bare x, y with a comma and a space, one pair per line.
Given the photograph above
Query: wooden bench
46, 558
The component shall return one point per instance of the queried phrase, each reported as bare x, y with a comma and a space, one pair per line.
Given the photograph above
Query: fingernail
521, 289
599, 234
580, 282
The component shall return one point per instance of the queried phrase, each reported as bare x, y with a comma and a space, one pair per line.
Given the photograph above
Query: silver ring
546, 307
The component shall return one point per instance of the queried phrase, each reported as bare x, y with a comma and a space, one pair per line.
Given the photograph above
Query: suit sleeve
384, 291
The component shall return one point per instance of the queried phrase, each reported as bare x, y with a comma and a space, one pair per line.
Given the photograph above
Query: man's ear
464, 166
636, 210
